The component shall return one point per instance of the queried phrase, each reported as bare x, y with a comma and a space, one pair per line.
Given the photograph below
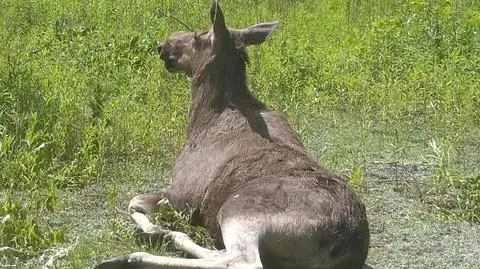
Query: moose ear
220, 29
257, 33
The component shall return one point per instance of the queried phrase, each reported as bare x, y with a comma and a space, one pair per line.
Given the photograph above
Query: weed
358, 178
21, 232
456, 195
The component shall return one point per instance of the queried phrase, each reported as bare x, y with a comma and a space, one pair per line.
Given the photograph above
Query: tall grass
80, 82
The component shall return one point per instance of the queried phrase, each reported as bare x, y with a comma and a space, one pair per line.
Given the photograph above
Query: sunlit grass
81, 85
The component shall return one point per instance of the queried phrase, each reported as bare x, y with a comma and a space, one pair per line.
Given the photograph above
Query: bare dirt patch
405, 231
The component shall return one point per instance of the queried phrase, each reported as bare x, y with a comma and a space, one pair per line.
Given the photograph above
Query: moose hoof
129, 261
120, 262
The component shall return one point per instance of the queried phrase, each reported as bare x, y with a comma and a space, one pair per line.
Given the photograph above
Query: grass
386, 92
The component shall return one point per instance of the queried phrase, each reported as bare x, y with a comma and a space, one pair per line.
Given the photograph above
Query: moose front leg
145, 204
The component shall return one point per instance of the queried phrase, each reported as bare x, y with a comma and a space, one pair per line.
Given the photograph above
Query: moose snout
164, 54
169, 57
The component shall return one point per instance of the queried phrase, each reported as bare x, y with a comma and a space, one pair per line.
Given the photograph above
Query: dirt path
406, 234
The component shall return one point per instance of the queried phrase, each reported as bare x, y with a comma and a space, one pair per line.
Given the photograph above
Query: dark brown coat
246, 173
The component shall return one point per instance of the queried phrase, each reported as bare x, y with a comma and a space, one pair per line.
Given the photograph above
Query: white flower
6, 218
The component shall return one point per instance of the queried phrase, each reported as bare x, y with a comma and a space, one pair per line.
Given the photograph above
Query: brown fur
245, 170
236, 144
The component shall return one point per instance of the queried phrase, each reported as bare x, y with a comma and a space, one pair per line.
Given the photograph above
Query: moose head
190, 52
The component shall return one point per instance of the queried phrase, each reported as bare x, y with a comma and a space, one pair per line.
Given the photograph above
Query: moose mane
221, 83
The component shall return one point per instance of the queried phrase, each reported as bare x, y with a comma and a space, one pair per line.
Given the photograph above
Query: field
385, 92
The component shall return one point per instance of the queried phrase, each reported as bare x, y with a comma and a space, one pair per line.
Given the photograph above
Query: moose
266, 201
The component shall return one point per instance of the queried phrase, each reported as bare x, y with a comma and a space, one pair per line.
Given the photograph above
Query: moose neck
218, 85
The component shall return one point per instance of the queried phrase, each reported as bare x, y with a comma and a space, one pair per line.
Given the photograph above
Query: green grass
386, 92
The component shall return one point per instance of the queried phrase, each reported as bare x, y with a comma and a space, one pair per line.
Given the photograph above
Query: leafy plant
21, 233
455, 195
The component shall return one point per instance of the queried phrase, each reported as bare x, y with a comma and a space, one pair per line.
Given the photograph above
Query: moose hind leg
148, 261
143, 260
145, 204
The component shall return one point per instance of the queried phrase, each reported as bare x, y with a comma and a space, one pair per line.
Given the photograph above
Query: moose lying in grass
244, 170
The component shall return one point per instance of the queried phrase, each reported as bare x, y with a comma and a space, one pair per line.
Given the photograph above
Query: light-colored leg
143, 260
184, 243
145, 204
142, 205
